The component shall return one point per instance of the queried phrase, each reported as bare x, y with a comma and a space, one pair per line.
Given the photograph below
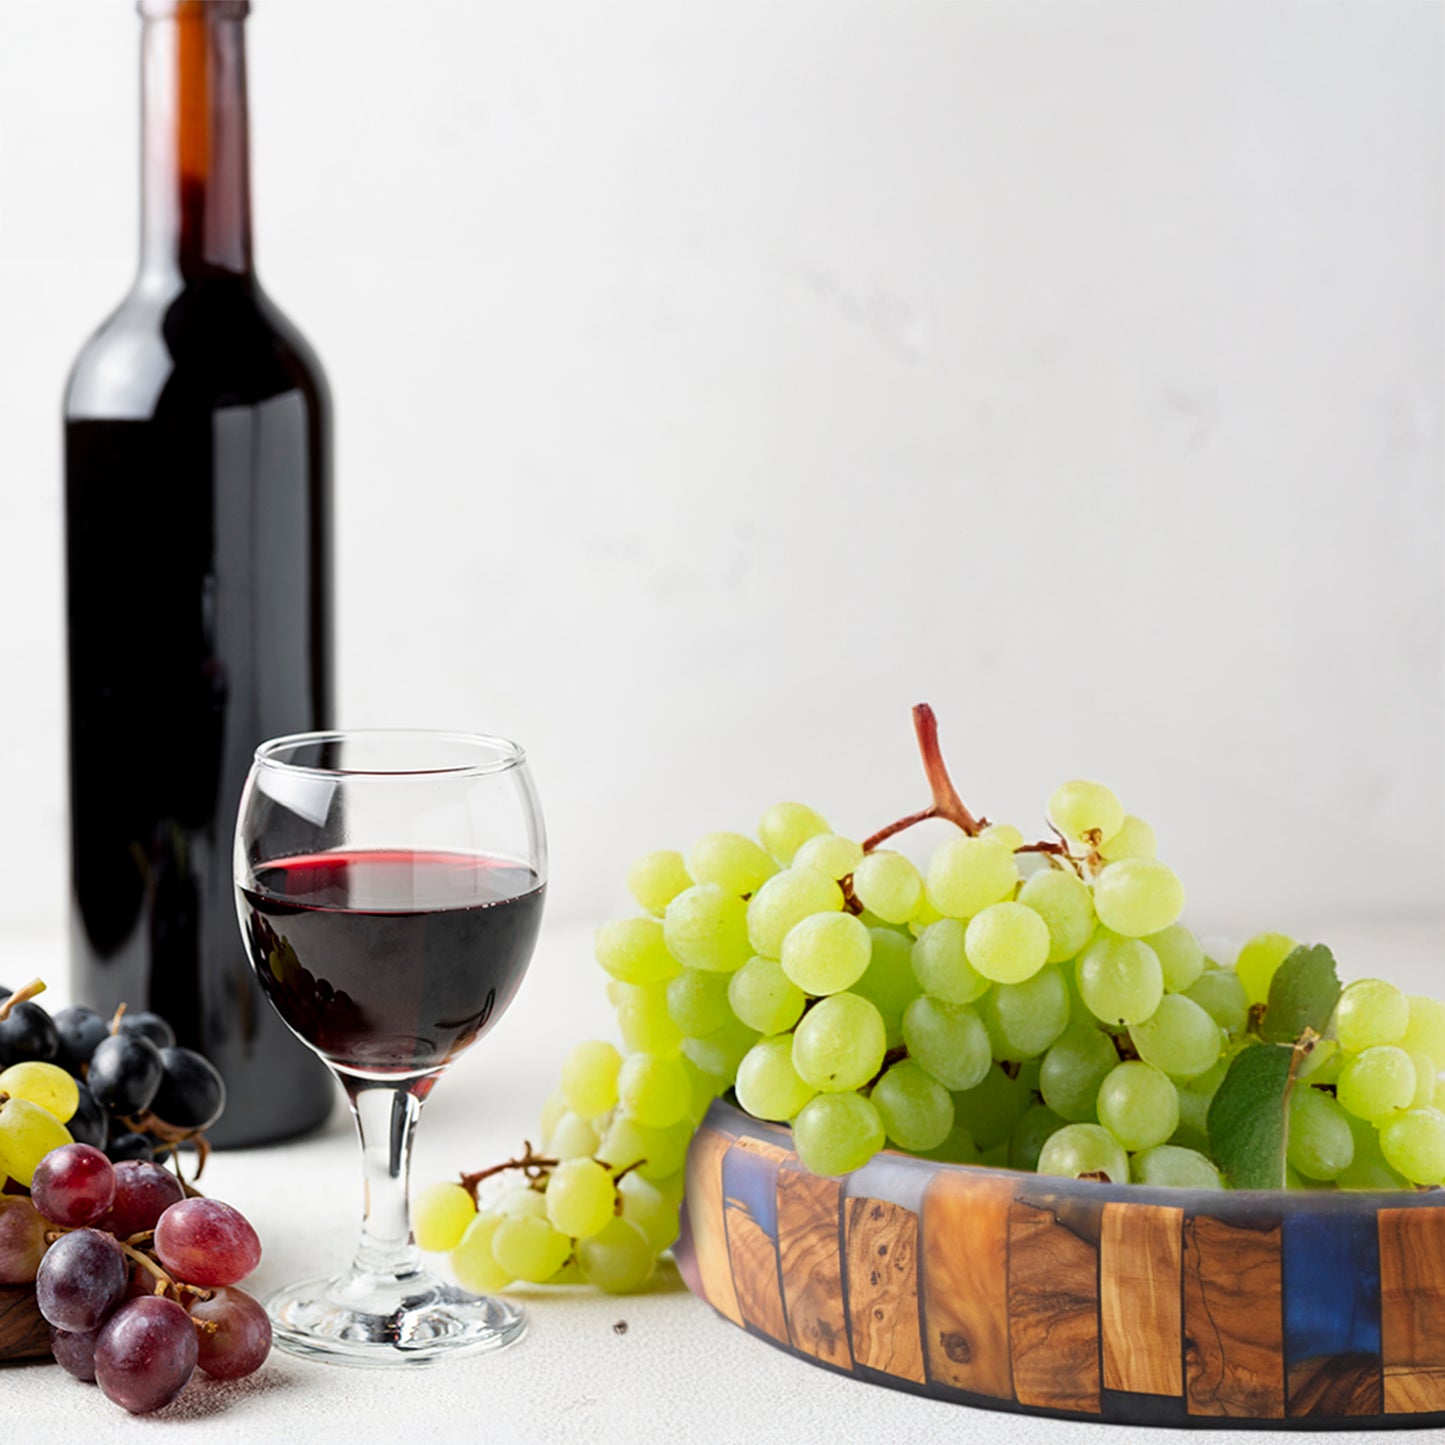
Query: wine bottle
198, 481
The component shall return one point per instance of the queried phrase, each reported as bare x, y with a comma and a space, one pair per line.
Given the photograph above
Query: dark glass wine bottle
198, 480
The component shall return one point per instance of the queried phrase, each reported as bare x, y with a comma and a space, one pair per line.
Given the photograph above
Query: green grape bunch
1034, 1006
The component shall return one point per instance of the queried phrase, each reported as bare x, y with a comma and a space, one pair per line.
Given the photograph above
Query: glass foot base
362, 1320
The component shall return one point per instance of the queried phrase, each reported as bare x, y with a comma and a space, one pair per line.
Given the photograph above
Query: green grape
657, 878
1081, 808
829, 853
649, 1208
941, 966
1368, 1169
1193, 1129
1259, 961
656, 1153
787, 826
573, 1137
768, 1085
529, 1249
948, 1040
965, 875
44, 1084
580, 1197
927, 914
1425, 1081
1004, 833
1138, 1105
1425, 1033
1370, 1011
1179, 1037
764, 997
1323, 1063
957, 1148
647, 1026
1029, 1136
706, 927
720, 1052
1023, 1019
618, 1259
1138, 896
703, 1089
916, 1110
552, 1110
1171, 1167
1073, 1069
472, 1260
837, 1133
27, 1134
888, 885
1377, 1082
520, 1201
1120, 979
441, 1214
826, 952
990, 1109
698, 1000
1135, 839
634, 950
735, 863
1414, 1144
1221, 995
1007, 942
570, 1273
589, 1078
839, 1043
1065, 904
1320, 1144
655, 1091
1180, 956
786, 899
1077, 1150
888, 982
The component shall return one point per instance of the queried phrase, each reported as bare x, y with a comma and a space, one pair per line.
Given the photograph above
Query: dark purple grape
75, 1352
145, 1354
148, 1026
125, 1072
79, 1030
90, 1124
242, 1339
73, 1185
28, 1033
205, 1242
143, 1192
124, 1147
22, 1239
192, 1094
81, 1280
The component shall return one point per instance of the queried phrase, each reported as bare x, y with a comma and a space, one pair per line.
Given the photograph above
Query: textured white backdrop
714, 381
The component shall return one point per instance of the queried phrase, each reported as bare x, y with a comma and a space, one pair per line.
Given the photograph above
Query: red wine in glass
390, 961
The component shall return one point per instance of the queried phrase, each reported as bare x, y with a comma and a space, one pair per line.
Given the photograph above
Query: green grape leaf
1302, 995
1248, 1117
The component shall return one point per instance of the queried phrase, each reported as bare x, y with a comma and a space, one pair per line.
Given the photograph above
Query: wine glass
389, 886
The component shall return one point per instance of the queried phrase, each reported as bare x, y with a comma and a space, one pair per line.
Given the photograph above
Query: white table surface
678, 1373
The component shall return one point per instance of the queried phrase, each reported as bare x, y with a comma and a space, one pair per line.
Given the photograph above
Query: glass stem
386, 1116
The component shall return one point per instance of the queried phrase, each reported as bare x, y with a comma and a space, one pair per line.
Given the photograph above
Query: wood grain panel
1053, 1300
809, 1249
965, 1281
1412, 1308
705, 1220
1233, 1323
882, 1255
1140, 1259
750, 1196
24, 1334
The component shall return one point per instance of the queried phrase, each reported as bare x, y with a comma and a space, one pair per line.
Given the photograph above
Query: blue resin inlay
1331, 1285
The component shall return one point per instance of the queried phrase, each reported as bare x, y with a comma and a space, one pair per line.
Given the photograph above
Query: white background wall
716, 380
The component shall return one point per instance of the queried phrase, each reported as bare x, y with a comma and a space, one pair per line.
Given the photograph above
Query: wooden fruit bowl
23, 1334
1067, 1297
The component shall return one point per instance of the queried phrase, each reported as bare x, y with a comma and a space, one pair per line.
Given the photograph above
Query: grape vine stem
946, 802
21, 995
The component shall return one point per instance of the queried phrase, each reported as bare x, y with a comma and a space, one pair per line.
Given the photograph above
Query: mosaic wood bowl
1073, 1298
23, 1334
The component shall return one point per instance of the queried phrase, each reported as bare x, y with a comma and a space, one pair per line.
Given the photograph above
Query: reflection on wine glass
390, 889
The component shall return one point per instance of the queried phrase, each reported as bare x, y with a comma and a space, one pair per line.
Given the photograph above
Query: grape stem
21, 995
946, 802
115, 1019
163, 1280
534, 1166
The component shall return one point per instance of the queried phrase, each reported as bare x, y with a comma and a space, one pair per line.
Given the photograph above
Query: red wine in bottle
198, 480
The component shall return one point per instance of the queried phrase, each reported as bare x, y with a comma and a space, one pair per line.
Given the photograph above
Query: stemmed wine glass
389, 886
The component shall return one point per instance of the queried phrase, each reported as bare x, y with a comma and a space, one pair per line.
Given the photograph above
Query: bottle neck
195, 164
